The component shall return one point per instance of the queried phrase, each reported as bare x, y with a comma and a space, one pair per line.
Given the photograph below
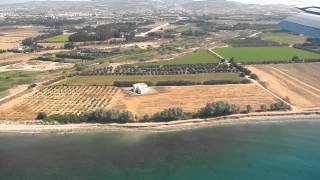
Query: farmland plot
248, 55
297, 82
11, 37
192, 98
60, 100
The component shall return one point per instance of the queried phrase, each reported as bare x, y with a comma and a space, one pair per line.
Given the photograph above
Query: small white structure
140, 88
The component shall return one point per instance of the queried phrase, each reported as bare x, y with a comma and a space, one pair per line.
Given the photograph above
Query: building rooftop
306, 19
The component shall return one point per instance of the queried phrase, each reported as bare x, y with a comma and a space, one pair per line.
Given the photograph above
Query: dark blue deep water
240, 152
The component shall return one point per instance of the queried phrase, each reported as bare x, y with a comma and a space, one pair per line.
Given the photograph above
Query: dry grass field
192, 98
59, 100
298, 82
11, 37
9, 57
35, 66
77, 99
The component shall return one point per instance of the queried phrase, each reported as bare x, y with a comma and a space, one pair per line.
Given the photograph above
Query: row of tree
104, 116
180, 83
30, 41
104, 32
99, 116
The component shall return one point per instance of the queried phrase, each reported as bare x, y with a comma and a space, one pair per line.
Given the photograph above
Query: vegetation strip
153, 79
103, 116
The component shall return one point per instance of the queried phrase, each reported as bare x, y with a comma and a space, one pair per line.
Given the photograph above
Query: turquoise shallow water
265, 151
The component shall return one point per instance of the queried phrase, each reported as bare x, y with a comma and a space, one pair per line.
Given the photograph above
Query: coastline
30, 127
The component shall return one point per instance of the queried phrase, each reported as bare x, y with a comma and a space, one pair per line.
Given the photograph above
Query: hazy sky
290, 2
21, 1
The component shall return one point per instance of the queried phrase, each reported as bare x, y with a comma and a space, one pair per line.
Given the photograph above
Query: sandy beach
36, 127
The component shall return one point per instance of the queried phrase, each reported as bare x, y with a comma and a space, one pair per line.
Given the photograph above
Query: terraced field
59, 100
261, 54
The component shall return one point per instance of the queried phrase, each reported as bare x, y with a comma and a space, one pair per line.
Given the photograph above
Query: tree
248, 109
242, 74
263, 108
232, 61
69, 45
170, 114
28, 41
280, 106
146, 118
110, 116
296, 59
218, 109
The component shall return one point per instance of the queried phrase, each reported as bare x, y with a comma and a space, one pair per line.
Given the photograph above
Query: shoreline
27, 127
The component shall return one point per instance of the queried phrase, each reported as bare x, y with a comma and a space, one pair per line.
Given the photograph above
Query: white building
140, 88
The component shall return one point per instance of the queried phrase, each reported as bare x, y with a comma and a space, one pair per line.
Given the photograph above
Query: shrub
245, 81
66, 118
80, 67
69, 45
32, 86
254, 76
41, 116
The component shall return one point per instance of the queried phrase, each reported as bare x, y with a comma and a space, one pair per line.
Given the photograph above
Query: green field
261, 54
58, 39
199, 57
12, 78
183, 28
108, 80
284, 38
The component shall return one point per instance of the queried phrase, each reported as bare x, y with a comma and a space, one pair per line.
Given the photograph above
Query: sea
267, 151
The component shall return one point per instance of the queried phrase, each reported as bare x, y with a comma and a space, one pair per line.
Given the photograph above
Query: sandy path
162, 26
14, 92
9, 57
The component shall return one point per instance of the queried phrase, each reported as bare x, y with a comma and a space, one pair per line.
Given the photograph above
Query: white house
140, 88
